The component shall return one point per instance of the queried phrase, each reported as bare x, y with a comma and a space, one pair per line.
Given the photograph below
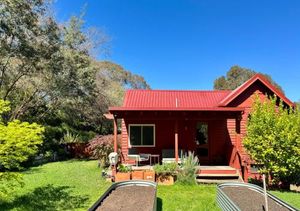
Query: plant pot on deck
122, 176
163, 179
137, 175
149, 175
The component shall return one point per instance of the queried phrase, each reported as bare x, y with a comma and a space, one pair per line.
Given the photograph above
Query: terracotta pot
121, 176
165, 179
149, 175
137, 175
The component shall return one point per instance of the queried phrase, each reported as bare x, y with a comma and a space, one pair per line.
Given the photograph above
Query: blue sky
187, 44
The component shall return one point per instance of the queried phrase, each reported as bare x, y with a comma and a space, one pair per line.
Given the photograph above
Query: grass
292, 198
76, 185
69, 185
179, 197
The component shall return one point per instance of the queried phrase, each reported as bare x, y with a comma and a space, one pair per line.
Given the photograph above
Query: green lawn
177, 197
290, 197
76, 185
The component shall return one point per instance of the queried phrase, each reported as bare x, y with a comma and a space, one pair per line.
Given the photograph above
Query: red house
212, 124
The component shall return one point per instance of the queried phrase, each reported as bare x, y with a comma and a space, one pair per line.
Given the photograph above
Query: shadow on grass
46, 198
159, 204
31, 171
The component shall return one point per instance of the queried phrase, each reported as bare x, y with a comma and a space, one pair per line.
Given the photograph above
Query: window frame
141, 125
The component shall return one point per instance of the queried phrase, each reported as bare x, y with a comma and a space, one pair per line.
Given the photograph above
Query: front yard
76, 185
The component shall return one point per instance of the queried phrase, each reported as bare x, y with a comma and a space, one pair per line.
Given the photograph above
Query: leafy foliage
18, 141
187, 173
273, 139
236, 76
101, 147
50, 75
166, 169
124, 169
69, 137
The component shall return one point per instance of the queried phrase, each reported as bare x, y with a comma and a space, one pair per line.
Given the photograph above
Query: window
142, 135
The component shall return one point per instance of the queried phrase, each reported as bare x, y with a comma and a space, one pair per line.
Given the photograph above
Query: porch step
217, 171
220, 175
217, 181
217, 174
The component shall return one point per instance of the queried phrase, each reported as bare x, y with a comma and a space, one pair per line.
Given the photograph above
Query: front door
202, 141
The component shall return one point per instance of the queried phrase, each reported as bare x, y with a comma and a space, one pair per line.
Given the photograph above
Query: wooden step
211, 171
235, 175
217, 181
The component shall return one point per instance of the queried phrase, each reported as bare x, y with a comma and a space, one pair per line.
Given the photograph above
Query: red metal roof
172, 100
216, 100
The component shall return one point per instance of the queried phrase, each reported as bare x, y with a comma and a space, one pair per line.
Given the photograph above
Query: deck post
115, 134
176, 141
114, 167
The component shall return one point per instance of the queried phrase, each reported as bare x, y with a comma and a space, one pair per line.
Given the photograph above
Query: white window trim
129, 126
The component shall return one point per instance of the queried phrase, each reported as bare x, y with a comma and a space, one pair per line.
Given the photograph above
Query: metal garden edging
123, 184
226, 204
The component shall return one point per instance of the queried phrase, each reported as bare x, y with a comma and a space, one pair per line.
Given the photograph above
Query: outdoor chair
168, 155
138, 157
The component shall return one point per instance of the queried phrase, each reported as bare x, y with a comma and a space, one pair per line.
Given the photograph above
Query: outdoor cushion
170, 153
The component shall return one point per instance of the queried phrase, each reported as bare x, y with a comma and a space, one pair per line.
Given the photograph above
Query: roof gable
257, 77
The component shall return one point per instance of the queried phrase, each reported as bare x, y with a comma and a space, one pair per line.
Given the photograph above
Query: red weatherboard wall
165, 137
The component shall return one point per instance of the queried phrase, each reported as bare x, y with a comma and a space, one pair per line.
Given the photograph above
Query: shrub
124, 169
273, 140
18, 141
70, 137
187, 173
166, 169
100, 147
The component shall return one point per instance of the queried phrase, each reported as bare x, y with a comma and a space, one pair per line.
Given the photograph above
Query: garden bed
131, 196
247, 197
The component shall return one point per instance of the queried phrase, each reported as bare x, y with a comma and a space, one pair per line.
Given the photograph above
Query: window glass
148, 138
141, 135
135, 135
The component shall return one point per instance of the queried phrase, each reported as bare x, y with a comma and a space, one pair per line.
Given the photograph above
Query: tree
273, 140
297, 104
49, 74
18, 141
236, 76
29, 43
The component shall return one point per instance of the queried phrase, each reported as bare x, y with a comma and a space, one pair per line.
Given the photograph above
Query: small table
155, 157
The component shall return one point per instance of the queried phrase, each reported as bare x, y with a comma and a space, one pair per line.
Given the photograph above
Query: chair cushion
170, 153
132, 151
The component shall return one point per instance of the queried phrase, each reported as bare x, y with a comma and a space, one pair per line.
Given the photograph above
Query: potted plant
149, 175
137, 175
123, 173
165, 173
